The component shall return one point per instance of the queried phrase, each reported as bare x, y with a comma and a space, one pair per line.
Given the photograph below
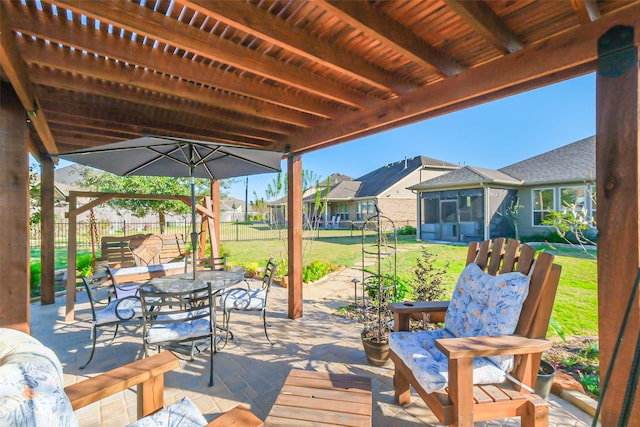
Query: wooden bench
141, 257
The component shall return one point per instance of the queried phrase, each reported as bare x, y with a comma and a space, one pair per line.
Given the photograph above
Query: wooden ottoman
322, 399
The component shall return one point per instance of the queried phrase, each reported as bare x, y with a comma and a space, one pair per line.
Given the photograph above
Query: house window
342, 210
573, 196
542, 203
364, 210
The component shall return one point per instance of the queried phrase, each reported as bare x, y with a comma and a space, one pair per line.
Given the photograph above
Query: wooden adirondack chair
461, 403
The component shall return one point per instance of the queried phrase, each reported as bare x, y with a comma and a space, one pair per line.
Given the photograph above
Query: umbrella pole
194, 232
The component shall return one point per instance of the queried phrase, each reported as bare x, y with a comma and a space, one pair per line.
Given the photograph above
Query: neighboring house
353, 200
474, 203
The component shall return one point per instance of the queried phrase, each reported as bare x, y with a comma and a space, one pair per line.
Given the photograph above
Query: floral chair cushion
486, 305
429, 365
31, 384
481, 305
244, 299
183, 413
177, 331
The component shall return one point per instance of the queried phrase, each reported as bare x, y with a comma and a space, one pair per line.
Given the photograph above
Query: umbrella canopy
166, 156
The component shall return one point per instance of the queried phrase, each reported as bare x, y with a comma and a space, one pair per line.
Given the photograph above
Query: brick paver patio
248, 370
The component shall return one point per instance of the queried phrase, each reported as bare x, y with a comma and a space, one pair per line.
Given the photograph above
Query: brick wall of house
401, 211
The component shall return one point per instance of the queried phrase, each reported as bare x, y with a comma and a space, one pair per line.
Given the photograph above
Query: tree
107, 182
34, 198
278, 188
574, 225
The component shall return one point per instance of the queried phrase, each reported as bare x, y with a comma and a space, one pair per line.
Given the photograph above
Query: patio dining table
219, 281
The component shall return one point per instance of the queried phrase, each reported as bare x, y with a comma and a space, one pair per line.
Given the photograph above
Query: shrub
84, 265
427, 282
407, 230
34, 278
314, 271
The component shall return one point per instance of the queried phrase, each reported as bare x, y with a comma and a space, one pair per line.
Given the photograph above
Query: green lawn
575, 308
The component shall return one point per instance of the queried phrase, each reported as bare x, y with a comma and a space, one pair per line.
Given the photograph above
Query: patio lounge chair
501, 307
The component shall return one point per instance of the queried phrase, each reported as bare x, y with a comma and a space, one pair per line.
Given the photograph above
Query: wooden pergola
76, 208
298, 76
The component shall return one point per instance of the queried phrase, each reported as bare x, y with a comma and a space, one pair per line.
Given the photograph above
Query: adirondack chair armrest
402, 311
469, 347
147, 374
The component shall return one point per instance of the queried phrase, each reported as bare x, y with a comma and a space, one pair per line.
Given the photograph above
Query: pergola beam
146, 22
62, 31
568, 55
486, 23
14, 69
364, 17
266, 26
81, 64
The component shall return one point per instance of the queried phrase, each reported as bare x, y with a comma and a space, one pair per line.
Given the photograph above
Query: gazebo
299, 76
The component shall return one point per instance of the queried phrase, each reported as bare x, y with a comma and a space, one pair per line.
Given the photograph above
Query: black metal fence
229, 231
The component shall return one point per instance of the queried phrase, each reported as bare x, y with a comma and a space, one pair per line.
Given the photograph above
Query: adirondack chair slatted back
496, 257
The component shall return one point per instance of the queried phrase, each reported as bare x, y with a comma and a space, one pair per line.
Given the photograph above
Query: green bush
428, 278
84, 265
314, 271
407, 230
34, 278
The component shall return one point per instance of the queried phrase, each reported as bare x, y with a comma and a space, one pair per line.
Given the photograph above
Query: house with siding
473, 203
353, 200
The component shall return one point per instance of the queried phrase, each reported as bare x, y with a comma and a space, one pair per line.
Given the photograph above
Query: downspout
486, 223
418, 214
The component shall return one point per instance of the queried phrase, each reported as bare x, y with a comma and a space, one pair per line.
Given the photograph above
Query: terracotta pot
377, 352
284, 282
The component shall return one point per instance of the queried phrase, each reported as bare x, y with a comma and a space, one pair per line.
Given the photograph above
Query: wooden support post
71, 260
294, 206
618, 197
47, 224
14, 215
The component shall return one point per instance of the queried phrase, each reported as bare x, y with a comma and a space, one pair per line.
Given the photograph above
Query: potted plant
377, 318
379, 242
282, 271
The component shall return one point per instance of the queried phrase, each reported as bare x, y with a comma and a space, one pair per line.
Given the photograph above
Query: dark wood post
14, 215
294, 214
47, 235
618, 210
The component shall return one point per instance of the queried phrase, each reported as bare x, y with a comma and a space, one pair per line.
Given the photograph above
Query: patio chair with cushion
182, 321
251, 298
500, 308
107, 309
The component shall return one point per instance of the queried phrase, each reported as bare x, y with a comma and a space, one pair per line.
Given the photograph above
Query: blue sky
490, 135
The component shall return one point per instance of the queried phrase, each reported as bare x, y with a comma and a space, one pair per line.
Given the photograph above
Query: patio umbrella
177, 157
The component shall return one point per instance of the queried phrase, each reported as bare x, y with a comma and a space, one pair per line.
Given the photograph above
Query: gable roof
572, 162
375, 182
468, 175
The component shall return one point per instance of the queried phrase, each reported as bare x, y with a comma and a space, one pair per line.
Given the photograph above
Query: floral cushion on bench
31, 384
481, 305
